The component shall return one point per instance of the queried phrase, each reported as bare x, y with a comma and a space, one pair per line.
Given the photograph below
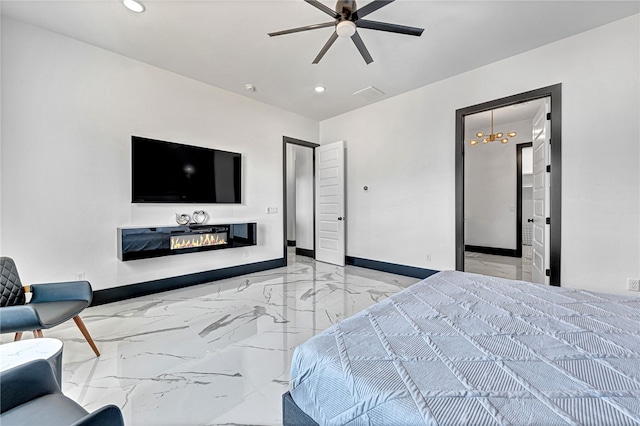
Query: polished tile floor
500, 266
212, 354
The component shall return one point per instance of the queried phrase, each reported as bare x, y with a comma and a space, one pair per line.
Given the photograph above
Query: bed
465, 349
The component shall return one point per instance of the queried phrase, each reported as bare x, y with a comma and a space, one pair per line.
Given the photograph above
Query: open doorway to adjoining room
299, 197
507, 212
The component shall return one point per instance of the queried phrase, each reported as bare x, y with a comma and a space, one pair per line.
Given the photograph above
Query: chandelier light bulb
499, 135
479, 134
512, 134
505, 140
485, 140
473, 142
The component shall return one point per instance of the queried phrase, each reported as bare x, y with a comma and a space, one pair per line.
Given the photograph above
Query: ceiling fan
347, 18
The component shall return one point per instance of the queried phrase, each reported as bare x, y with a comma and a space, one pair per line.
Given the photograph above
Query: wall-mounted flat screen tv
168, 172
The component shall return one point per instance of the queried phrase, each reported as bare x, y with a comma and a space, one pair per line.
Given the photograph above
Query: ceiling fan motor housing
345, 8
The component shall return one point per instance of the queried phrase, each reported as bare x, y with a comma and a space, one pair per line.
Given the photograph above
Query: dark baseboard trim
305, 252
109, 295
493, 250
291, 243
393, 268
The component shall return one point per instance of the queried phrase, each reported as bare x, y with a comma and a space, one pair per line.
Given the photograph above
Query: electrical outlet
272, 210
80, 276
245, 253
428, 257
633, 284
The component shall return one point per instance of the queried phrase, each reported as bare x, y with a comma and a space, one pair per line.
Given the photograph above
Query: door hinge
548, 168
548, 272
548, 116
548, 221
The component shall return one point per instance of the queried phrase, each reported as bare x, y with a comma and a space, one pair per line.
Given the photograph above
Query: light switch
272, 210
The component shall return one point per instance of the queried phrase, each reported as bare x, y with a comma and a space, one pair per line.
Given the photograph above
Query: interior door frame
553, 92
289, 140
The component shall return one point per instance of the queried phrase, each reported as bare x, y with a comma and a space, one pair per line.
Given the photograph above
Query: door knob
530, 220
341, 218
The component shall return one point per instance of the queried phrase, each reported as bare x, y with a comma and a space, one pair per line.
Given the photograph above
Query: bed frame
292, 415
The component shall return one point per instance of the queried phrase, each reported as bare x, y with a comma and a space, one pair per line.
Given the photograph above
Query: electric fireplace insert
142, 243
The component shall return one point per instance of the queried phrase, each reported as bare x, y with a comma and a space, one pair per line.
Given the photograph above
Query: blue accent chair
50, 304
30, 395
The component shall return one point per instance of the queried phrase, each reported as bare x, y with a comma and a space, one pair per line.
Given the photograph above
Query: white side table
17, 353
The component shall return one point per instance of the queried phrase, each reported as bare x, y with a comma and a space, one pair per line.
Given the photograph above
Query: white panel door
330, 218
541, 190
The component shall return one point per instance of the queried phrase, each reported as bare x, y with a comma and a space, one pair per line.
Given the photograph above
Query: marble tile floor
500, 266
216, 353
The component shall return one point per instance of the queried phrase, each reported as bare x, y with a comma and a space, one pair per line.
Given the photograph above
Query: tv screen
167, 172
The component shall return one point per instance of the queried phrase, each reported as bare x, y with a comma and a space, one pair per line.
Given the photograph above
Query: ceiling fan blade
305, 28
392, 28
371, 7
325, 9
326, 47
357, 40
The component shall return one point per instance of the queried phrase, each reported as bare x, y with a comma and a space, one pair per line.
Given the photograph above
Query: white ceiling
225, 43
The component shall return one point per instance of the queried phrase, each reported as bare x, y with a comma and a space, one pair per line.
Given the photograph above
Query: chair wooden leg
86, 334
18, 336
37, 334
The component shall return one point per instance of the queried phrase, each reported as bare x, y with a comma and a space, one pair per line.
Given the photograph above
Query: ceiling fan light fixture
133, 6
346, 28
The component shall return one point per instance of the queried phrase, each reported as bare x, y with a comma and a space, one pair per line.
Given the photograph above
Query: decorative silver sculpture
200, 217
183, 219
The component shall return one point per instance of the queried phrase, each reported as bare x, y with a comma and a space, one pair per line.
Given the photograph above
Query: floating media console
142, 243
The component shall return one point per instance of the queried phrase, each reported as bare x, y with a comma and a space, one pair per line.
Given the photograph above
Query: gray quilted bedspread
465, 349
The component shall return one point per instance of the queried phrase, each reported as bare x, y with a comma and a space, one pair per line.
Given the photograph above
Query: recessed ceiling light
133, 5
250, 87
319, 89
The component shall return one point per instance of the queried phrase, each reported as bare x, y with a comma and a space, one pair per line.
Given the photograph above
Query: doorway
553, 173
299, 197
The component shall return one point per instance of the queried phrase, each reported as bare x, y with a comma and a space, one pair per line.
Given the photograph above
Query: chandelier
492, 137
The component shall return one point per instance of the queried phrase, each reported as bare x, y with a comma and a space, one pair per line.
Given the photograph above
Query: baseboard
493, 250
305, 252
393, 268
291, 243
130, 291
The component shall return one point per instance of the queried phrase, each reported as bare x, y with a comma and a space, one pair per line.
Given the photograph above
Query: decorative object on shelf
183, 219
492, 137
200, 217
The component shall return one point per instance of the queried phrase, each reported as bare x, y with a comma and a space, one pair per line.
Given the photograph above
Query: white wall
0, 131
490, 193
304, 197
68, 112
403, 148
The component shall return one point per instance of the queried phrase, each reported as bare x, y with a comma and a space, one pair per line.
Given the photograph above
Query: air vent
369, 93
